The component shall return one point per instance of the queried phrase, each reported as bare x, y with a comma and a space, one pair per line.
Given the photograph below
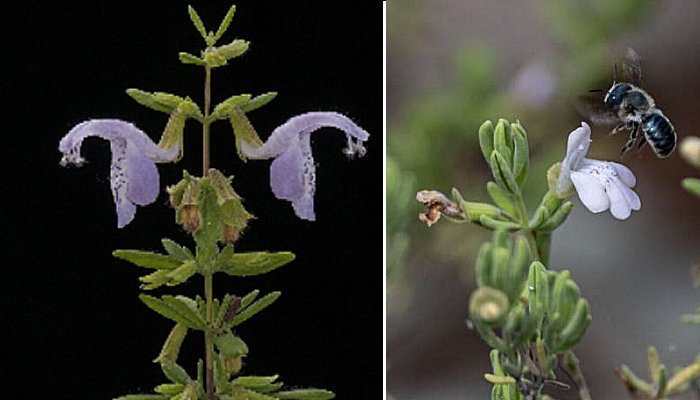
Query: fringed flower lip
134, 179
600, 185
292, 173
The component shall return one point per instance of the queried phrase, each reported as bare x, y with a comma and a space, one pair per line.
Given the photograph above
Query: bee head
615, 95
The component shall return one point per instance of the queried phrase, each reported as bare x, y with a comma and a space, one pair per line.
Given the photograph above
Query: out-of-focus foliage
399, 197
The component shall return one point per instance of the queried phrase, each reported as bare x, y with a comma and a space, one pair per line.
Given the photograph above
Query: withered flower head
436, 204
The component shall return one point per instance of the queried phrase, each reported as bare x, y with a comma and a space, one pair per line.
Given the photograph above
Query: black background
73, 327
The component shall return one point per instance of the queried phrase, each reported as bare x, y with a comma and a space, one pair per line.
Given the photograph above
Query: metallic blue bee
632, 109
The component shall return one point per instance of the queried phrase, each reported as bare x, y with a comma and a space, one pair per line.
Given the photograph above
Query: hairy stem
208, 276
572, 367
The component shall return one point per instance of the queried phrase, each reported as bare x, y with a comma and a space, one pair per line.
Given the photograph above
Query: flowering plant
530, 315
209, 208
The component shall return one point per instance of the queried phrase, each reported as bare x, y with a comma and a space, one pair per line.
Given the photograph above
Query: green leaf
211, 227
576, 327
197, 22
225, 23
484, 265
169, 388
143, 397
305, 394
176, 309
223, 109
538, 290
557, 218
503, 173
248, 299
502, 141
174, 250
253, 309
174, 372
233, 49
255, 381
486, 139
147, 99
187, 58
171, 347
147, 259
255, 263
499, 225
521, 153
253, 395
258, 101
692, 185
501, 198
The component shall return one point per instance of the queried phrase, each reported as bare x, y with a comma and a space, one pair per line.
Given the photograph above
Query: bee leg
634, 133
618, 128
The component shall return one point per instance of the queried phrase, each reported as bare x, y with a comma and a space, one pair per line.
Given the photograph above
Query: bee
633, 109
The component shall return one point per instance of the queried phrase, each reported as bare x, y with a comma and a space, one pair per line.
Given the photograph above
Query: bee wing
593, 109
632, 67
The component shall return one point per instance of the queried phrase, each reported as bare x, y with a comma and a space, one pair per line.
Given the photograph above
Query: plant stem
572, 367
205, 125
208, 276
208, 339
529, 236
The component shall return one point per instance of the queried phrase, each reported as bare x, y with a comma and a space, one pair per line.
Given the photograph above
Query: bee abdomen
659, 133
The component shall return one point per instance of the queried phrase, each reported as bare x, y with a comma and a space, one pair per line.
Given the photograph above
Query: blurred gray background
451, 64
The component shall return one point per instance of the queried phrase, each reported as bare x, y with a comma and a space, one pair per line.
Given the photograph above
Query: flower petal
625, 174
133, 177
292, 173
591, 191
619, 206
577, 146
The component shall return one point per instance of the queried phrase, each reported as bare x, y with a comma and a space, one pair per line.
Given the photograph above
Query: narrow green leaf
258, 101
223, 109
501, 198
143, 397
233, 49
169, 388
540, 216
270, 388
253, 309
502, 141
171, 347
248, 299
197, 22
499, 380
147, 99
255, 263
253, 395
305, 394
169, 100
174, 372
557, 218
182, 273
484, 265
187, 58
176, 309
503, 173
576, 327
180, 253
255, 381
521, 153
147, 259
486, 139
225, 23
499, 225
692, 185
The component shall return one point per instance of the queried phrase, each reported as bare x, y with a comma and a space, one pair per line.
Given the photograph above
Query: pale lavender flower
292, 173
600, 184
133, 175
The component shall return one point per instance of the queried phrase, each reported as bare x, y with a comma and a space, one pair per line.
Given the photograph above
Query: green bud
213, 59
551, 202
483, 265
654, 363
519, 262
521, 153
488, 305
501, 198
172, 345
502, 141
502, 173
500, 268
176, 192
486, 139
553, 182
557, 218
243, 130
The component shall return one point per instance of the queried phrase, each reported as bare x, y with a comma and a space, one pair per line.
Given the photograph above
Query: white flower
600, 184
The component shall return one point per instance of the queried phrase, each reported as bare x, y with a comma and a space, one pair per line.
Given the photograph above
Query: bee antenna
595, 90
615, 72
